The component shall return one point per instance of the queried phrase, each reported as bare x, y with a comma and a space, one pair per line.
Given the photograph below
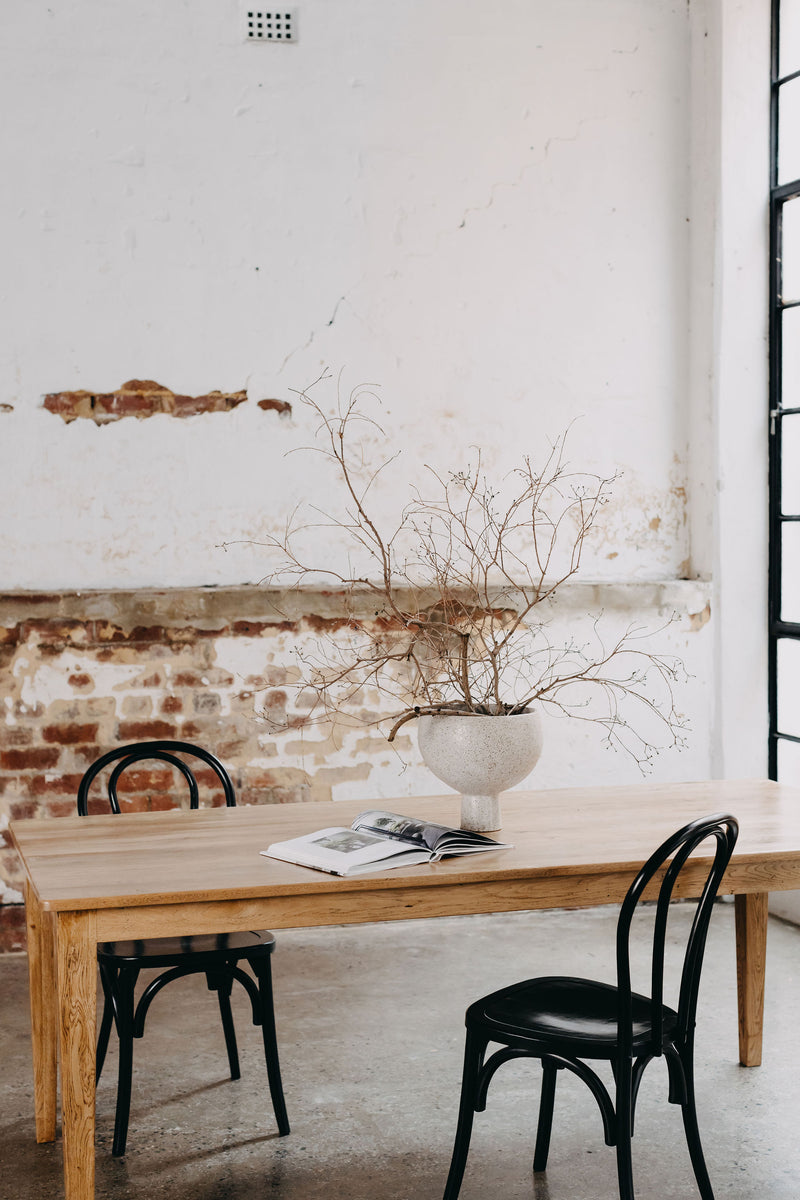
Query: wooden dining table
101, 878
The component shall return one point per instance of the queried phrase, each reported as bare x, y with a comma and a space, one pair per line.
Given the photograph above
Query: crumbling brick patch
81, 673
12, 928
137, 398
282, 407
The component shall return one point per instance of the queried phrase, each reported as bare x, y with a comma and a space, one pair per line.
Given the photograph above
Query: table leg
42, 977
77, 992
751, 957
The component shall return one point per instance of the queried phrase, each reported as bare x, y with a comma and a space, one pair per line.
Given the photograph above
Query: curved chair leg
545, 1125
263, 973
473, 1060
107, 976
222, 983
689, 1114
126, 981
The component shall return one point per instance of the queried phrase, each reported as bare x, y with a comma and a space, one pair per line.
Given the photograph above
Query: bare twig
455, 591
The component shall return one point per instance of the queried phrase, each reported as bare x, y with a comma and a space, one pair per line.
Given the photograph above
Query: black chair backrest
166, 751
724, 829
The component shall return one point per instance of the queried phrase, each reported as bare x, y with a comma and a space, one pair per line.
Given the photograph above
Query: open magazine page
346, 851
440, 839
404, 829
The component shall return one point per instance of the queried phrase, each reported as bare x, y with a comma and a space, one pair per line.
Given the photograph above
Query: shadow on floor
370, 1023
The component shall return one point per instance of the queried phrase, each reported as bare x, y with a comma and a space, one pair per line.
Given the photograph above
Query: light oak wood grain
182, 857
751, 954
141, 875
42, 975
76, 946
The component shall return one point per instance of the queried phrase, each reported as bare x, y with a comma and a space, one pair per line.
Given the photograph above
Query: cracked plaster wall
482, 209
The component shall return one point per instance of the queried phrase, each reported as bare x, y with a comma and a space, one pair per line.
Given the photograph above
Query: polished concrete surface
370, 1024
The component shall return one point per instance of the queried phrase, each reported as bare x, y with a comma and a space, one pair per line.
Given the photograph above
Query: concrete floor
370, 1023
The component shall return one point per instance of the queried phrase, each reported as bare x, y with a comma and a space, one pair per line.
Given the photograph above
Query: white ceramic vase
480, 757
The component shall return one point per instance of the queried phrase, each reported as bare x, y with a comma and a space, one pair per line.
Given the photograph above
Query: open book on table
379, 840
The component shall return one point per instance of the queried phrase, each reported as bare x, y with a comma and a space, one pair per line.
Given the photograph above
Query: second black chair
565, 1021
217, 956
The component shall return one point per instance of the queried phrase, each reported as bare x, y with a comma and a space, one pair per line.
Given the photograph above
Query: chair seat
571, 1016
162, 952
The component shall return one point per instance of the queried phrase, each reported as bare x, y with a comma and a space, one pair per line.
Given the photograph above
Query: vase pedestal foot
480, 813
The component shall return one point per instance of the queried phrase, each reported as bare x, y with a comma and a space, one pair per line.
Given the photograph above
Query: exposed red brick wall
82, 673
145, 398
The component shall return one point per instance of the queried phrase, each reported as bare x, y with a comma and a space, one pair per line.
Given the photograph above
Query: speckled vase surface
480, 757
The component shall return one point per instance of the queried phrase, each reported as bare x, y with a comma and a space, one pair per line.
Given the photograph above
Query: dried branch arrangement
449, 612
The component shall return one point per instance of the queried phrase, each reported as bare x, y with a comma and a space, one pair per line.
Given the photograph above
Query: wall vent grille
270, 24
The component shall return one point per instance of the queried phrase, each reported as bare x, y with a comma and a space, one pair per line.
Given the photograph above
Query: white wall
739, 388
480, 208
485, 209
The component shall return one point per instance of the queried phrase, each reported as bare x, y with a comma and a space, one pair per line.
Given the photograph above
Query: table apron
340, 907
353, 907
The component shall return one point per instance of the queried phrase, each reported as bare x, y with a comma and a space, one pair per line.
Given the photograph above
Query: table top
176, 857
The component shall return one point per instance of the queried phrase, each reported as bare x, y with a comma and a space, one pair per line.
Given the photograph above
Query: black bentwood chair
563, 1021
217, 956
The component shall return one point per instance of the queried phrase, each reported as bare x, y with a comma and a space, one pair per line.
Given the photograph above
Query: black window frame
780, 194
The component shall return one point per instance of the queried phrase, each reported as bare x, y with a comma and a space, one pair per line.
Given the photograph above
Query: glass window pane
790, 250
789, 686
789, 132
790, 360
789, 763
790, 37
790, 466
790, 572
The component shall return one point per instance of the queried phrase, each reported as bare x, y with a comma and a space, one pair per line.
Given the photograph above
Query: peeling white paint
447, 248
50, 682
9, 895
